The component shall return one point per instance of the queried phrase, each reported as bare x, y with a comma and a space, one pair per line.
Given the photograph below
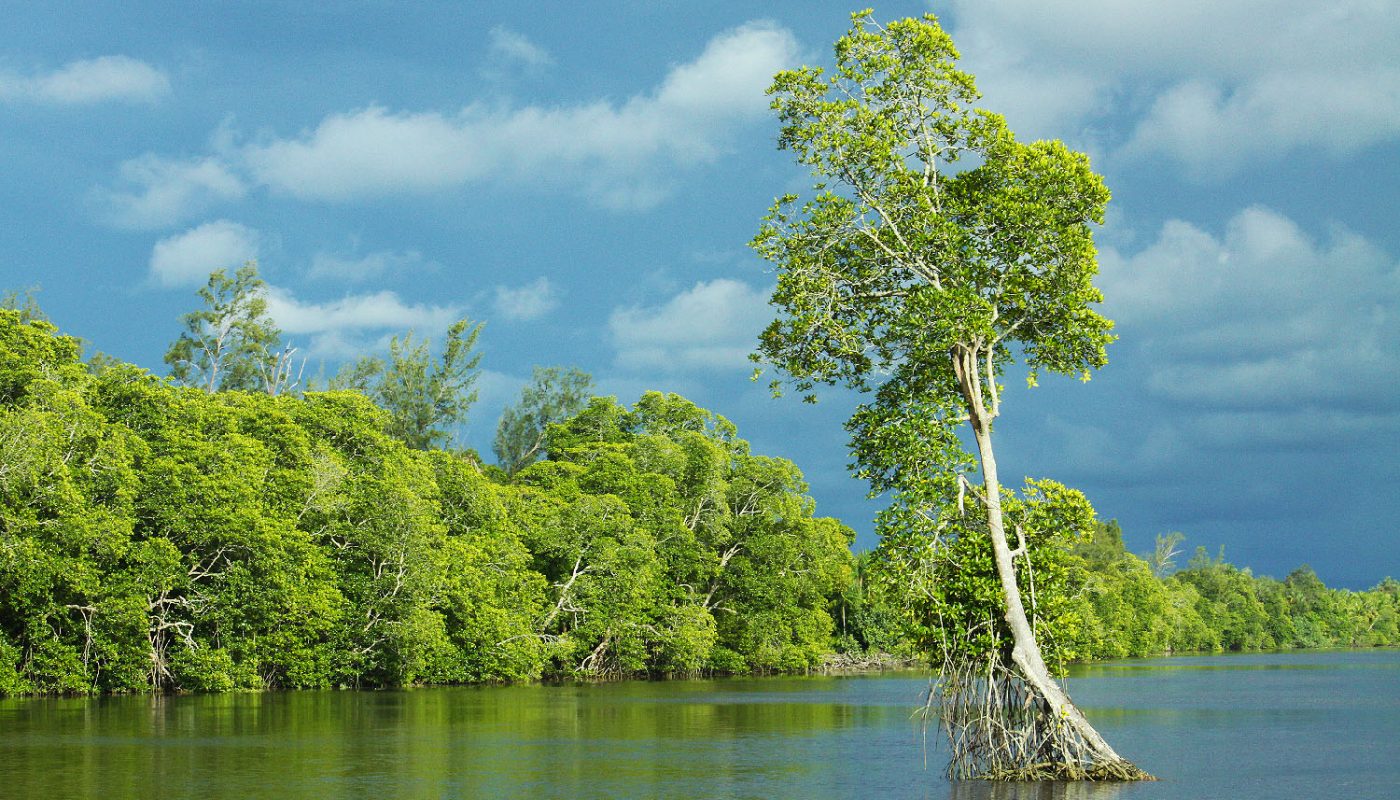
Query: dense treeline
1211, 605
163, 537
1104, 602
157, 537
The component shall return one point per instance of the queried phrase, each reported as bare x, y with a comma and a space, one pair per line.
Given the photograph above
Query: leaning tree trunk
1013, 721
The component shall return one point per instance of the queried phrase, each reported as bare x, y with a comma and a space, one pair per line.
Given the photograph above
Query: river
1300, 725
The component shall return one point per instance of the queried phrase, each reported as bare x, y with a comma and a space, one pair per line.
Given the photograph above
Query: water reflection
617, 740
1038, 790
1327, 660
1329, 730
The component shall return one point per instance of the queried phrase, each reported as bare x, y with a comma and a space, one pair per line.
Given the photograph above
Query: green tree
1228, 601
1164, 553
423, 396
553, 395
1126, 611
231, 343
491, 598
24, 301
1380, 610
67, 485
936, 251
670, 547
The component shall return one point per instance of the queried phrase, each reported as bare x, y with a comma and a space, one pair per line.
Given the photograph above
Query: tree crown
931, 228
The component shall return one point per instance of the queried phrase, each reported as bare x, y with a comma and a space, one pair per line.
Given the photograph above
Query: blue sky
584, 177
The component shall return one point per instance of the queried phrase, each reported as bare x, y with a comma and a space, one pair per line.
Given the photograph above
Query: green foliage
933, 251
424, 397
952, 602
553, 395
30, 350
869, 614
161, 538
155, 537
1211, 605
729, 570
231, 343
930, 226
491, 597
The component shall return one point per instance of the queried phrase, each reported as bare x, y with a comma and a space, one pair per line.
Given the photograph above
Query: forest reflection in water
1229, 726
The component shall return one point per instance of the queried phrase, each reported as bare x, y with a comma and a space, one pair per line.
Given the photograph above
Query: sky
584, 178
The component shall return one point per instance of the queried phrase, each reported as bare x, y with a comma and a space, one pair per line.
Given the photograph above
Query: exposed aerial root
999, 728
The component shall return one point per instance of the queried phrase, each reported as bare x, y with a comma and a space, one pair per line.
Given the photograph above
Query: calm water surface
1255, 726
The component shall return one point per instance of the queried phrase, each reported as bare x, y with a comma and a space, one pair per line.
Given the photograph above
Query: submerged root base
1000, 728
1122, 771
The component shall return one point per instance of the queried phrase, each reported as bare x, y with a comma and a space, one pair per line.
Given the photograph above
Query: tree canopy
155, 538
932, 230
160, 537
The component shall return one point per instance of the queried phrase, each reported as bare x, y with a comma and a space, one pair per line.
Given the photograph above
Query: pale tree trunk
972, 365
1025, 649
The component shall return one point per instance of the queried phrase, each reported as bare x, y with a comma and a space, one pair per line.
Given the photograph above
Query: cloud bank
1264, 330
1212, 87
612, 149
616, 154
97, 80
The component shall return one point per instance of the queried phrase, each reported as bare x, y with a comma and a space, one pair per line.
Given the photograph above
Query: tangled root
999, 728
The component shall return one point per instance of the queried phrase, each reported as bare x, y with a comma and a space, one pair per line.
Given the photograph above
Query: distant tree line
226, 528
1098, 601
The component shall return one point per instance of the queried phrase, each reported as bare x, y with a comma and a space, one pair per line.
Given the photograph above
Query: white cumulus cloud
354, 324
1213, 86
528, 302
96, 80
186, 259
1263, 317
156, 192
618, 153
367, 152
712, 325
1213, 129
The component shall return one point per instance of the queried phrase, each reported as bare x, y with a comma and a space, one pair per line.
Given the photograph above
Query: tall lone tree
935, 251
